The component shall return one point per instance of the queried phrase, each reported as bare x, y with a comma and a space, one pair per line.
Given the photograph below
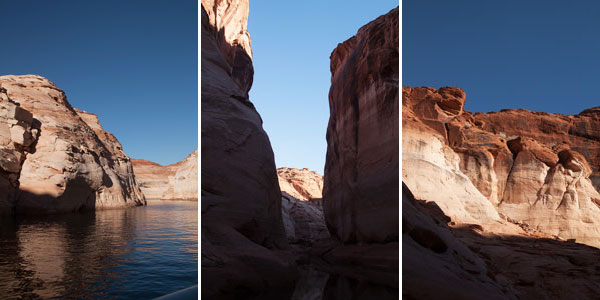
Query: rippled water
137, 253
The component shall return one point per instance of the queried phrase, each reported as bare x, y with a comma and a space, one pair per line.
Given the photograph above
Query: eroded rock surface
18, 134
178, 181
301, 205
360, 192
242, 226
74, 164
533, 168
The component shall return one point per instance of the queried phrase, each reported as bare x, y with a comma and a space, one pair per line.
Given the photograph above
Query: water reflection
315, 283
143, 252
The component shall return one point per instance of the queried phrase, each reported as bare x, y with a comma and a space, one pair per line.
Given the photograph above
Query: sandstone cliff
152, 177
242, 226
18, 134
301, 206
360, 192
178, 181
74, 164
532, 168
183, 185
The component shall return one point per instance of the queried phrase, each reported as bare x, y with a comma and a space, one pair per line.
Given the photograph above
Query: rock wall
18, 135
533, 168
360, 192
74, 165
178, 181
242, 226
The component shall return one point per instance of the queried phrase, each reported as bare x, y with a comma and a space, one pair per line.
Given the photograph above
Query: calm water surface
137, 253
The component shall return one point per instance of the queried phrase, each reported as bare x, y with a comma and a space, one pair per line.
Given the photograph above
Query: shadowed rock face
533, 168
360, 192
465, 261
74, 164
242, 227
178, 181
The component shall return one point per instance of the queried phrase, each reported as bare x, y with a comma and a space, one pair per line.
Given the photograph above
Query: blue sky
291, 43
538, 55
133, 63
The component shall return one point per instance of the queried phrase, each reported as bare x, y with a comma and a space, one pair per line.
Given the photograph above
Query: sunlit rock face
18, 134
301, 205
178, 181
153, 178
74, 164
360, 192
301, 184
533, 168
183, 185
242, 226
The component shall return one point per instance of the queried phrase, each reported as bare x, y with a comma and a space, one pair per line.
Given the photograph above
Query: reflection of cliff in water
40, 254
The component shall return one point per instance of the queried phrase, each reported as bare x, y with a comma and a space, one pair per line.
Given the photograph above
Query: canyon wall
74, 164
516, 165
178, 181
242, 226
360, 190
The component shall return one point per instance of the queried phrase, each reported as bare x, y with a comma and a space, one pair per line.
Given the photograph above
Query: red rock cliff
242, 226
360, 193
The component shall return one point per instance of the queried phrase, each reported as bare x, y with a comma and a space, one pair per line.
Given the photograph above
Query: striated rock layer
532, 168
360, 192
178, 181
242, 226
74, 164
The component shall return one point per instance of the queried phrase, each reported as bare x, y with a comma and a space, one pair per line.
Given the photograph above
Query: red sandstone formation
532, 167
360, 193
73, 165
242, 226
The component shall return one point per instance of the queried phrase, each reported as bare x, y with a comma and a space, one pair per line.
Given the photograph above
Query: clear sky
291, 43
134, 63
538, 55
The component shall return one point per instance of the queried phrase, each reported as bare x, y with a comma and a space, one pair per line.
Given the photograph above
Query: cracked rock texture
178, 181
360, 190
74, 164
242, 226
537, 169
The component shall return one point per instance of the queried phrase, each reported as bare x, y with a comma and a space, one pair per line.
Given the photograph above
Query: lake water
137, 253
